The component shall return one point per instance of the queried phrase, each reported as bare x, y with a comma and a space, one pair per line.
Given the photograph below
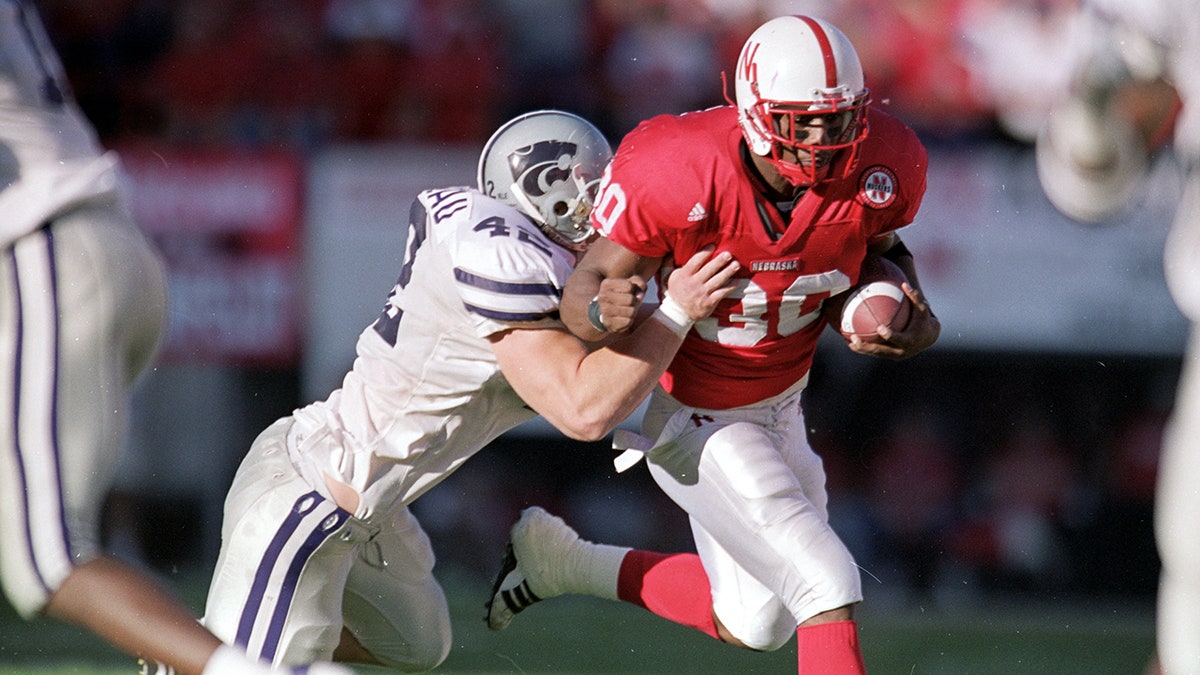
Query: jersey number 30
798, 305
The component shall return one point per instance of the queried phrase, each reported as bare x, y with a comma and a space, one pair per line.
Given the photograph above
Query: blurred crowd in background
301, 73
951, 471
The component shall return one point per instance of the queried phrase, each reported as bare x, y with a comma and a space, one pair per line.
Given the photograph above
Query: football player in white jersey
320, 555
82, 306
1137, 79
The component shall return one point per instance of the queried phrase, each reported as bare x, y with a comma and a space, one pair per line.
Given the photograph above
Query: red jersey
679, 183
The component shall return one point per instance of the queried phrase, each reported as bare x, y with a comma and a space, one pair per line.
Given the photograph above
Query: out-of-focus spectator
549, 45
204, 77
289, 103
913, 491
429, 70
1133, 467
663, 59
1024, 501
107, 49
917, 66
458, 70
1019, 57
1125, 512
369, 55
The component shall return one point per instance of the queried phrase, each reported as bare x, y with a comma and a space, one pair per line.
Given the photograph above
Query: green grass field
584, 635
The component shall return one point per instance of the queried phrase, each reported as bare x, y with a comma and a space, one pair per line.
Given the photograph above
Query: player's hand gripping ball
877, 299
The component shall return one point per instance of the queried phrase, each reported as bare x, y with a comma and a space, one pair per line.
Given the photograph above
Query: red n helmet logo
749, 66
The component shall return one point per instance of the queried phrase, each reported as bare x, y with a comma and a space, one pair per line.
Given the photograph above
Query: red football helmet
794, 70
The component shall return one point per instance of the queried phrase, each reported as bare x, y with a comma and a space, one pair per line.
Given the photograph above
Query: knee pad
419, 651
764, 629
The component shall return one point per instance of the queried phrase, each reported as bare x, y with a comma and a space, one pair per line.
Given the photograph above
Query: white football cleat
535, 565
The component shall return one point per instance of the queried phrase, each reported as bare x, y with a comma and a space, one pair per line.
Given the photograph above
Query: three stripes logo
518, 597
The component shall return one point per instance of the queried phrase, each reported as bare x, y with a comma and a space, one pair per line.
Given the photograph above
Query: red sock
829, 649
671, 585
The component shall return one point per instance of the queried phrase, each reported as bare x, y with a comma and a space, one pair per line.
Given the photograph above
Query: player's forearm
578, 292
612, 382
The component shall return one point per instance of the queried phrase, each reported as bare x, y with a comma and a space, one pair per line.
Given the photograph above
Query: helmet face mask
804, 144
796, 73
547, 164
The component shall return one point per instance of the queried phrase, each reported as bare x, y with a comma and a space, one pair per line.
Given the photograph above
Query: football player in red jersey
800, 179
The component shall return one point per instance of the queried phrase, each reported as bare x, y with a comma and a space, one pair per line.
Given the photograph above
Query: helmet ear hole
560, 208
759, 142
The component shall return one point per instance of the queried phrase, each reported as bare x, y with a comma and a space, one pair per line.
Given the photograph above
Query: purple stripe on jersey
505, 287
287, 590
511, 316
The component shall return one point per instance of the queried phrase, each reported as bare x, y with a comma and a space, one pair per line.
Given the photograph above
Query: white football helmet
1090, 162
796, 66
548, 164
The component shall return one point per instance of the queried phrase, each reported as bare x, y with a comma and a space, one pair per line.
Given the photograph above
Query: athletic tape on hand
673, 316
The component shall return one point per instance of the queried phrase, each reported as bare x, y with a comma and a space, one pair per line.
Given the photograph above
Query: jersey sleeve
895, 150
914, 170
506, 272
639, 205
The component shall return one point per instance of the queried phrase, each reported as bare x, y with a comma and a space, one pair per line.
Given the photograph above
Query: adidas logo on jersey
697, 213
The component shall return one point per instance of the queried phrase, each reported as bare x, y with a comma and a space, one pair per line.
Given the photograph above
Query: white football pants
1177, 501
294, 568
82, 308
755, 494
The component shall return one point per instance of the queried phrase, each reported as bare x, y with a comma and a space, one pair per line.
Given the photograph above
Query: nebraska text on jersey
761, 338
878, 187
774, 265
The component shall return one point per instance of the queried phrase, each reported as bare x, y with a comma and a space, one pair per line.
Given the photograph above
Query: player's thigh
745, 493
1181, 257
285, 555
35, 554
81, 310
126, 279
112, 305
393, 605
805, 464
731, 473
1177, 510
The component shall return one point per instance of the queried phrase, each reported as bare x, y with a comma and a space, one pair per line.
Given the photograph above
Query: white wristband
673, 316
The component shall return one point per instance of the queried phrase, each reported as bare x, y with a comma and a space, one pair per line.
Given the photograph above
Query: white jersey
1174, 24
49, 156
1161, 38
426, 392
